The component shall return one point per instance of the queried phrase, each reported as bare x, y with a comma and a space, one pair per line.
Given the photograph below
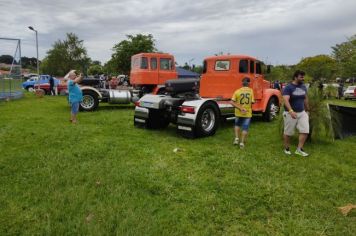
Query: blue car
29, 84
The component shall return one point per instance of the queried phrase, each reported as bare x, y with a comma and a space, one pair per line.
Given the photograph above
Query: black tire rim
208, 120
88, 102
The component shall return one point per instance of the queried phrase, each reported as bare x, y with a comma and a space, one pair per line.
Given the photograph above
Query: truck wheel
272, 110
207, 120
90, 101
157, 119
30, 89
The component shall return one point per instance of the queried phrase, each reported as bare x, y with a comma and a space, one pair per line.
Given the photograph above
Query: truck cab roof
227, 57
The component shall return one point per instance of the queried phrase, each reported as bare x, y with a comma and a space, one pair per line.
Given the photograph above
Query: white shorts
301, 123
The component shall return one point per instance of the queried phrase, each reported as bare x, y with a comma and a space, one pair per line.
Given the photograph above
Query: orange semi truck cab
222, 75
150, 71
197, 106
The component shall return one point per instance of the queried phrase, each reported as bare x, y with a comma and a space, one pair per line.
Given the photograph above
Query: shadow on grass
224, 125
109, 107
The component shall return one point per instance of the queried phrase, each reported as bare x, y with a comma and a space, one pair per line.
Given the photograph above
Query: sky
276, 32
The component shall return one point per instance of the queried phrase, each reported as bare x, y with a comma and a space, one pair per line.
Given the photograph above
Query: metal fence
11, 74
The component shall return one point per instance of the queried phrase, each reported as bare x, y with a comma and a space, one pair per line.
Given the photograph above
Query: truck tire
207, 120
90, 101
271, 111
157, 119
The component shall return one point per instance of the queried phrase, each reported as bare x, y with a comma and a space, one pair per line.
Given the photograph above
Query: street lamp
38, 65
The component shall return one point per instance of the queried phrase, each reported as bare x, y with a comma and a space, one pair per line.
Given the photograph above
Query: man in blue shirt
75, 93
295, 113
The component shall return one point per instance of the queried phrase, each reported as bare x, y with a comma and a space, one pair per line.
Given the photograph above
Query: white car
350, 92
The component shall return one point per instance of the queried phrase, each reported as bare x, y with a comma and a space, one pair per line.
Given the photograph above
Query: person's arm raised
79, 78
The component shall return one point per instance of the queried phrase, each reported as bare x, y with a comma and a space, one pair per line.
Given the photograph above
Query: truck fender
199, 124
268, 94
197, 104
92, 89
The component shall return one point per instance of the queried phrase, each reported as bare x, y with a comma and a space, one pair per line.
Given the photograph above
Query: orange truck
149, 72
197, 106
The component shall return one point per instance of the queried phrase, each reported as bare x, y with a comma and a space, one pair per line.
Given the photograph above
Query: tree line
341, 63
70, 53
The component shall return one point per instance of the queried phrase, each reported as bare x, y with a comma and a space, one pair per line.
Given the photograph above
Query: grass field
105, 177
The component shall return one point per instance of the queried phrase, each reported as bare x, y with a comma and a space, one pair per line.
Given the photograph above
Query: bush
330, 91
319, 115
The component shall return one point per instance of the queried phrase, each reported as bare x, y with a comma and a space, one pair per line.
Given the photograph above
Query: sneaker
236, 141
301, 152
287, 151
242, 145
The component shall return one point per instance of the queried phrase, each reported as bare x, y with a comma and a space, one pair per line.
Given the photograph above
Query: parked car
29, 84
62, 88
29, 76
350, 93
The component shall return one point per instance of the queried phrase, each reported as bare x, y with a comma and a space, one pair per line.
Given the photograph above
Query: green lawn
105, 177
342, 102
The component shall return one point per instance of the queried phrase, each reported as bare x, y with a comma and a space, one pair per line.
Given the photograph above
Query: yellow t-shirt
244, 97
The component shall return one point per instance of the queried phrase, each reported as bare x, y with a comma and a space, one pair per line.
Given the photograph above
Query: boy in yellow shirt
242, 101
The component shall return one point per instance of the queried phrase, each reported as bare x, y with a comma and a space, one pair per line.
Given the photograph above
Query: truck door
258, 81
245, 71
153, 68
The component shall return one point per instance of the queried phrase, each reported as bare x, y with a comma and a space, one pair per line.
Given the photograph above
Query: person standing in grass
51, 86
242, 100
75, 93
295, 113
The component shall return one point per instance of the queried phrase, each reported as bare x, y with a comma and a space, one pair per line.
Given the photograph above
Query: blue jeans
74, 107
243, 122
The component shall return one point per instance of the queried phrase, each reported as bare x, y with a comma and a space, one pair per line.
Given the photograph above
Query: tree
282, 73
96, 63
345, 56
197, 69
120, 61
95, 69
29, 62
6, 59
65, 55
186, 66
318, 67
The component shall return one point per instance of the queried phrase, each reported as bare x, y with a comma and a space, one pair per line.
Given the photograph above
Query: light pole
38, 65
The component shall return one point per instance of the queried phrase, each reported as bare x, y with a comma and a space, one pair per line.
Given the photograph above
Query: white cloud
282, 31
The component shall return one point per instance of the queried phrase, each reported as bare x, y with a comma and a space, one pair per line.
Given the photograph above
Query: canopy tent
185, 74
